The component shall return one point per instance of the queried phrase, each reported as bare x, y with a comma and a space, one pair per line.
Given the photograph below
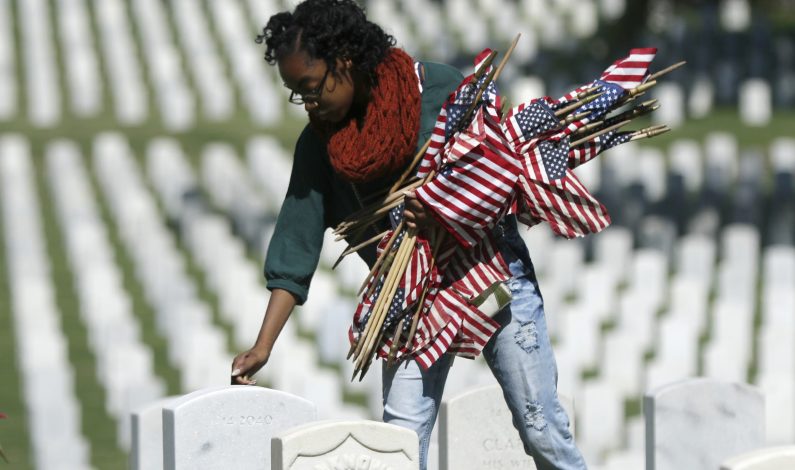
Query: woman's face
328, 95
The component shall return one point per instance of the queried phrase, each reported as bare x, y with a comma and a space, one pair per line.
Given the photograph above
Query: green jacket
317, 198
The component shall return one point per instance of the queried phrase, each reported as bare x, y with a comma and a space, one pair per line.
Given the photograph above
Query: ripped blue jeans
520, 357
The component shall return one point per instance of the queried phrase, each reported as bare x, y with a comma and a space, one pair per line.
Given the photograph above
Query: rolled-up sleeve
294, 249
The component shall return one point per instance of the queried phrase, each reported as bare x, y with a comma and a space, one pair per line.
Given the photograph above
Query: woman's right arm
247, 363
293, 251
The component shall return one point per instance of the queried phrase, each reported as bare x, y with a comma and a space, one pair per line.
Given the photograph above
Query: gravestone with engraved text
228, 427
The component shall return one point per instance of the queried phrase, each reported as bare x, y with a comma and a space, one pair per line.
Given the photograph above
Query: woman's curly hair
328, 30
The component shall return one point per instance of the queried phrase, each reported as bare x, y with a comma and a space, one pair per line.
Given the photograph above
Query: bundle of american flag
434, 293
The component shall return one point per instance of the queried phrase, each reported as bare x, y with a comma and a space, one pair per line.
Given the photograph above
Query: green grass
96, 422
14, 430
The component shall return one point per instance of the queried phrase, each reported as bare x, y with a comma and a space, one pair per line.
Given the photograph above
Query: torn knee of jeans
527, 336
534, 416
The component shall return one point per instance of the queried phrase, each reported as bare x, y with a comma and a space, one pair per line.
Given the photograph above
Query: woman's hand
415, 214
247, 364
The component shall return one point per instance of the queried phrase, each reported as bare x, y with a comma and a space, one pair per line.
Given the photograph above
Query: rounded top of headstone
779, 457
687, 386
481, 392
155, 405
235, 392
358, 426
336, 441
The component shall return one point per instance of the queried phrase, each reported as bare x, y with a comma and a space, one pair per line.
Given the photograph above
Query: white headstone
147, 435
701, 97
698, 423
673, 110
735, 15
233, 425
756, 102
770, 458
331, 445
476, 432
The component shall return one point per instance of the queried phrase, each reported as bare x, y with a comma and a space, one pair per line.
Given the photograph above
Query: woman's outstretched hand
246, 364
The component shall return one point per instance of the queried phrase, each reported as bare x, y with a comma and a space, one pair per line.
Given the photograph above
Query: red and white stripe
630, 71
474, 196
432, 160
570, 210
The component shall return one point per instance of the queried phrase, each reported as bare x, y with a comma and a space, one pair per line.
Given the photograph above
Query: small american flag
632, 70
588, 150
549, 192
554, 156
450, 116
535, 119
611, 93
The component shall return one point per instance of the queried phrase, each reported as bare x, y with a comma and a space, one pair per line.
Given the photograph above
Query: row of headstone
207, 428
258, 428
124, 73
8, 68
203, 60
124, 363
196, 346
695, 423
256, 83
47, 378
81, 66
270, 166
220, 255
232, 190
41, 70
175, 100
776, 342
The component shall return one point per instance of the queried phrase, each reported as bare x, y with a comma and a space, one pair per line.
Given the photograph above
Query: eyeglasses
312, 96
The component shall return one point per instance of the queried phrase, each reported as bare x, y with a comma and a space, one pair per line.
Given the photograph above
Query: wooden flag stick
369, 361
597, 134
640, 110
395, 343
379, 265
368, 219
493, 75
650, 132
666, 70
370, 208
376, 320
574, 117
396, 274
410, 167
586, 92
577, 104
384, 192
384, 298
638, 90
360, 246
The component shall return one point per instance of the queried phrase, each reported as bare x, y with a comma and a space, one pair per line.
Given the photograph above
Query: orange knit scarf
384, 141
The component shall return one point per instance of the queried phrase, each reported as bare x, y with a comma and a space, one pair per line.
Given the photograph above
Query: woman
370, 107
